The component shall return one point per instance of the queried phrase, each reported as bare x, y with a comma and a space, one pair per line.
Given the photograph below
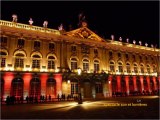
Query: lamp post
79, 90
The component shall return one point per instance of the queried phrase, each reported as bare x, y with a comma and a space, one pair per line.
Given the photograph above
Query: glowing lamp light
140, 42
14, 16
146, 44
68, 81
134, 42
45, 23
30, 21
79, 71
112, 37
120, 38
109, 82
152, 45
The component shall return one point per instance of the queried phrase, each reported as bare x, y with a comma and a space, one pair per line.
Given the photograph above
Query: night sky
134, 20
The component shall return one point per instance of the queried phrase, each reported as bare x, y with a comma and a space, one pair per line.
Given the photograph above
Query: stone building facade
41, 61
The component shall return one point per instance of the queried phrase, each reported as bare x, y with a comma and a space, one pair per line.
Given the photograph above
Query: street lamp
79, 90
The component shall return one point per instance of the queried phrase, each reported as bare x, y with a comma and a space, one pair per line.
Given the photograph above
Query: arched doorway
51, 87
87, 88
17, 87
131, 86
35, 87
145, 85
123, 86
114, 86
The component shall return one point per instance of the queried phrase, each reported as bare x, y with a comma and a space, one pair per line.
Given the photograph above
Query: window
135, 68
73, 48
128, 68
95, 51
148, 68
120, 67
127, 56
112, 66
19, 60
85, 65
73, 63
99, 87
146, 58
51, 62
36, 45
142, 68
134, 57
20, 43
3, 58
35, 88
85, 49
36, 61
3, 41
140, 57
96, 65
110, 54
154, 68
51, 46
74, 88
119, 55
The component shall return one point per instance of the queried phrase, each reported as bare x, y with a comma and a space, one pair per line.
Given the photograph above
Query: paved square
113, 108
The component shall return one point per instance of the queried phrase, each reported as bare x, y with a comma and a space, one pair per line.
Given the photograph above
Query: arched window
3, 41
154, 69
142, 68
35, 87
51, 87
3, 58
36, 61
85, 65
17, 87
73, 63
148, 69
96, 65
112, 68
135, 68
128, 68
19, 60
120, 67
51, 62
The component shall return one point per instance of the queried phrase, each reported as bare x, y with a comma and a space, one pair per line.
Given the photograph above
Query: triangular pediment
84, 33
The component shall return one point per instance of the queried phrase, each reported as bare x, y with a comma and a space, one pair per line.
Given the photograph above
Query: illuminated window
135, 68
3, 58
112, 69
51, 46
20, 43
127, 56
37, 45
148, 68
3, 41
99, 87
85, 65
51, 62
73, 63
128, 68
142, 68
120, 67
74, 88
19, 60
96, 65
17, 87
73, 48
36, 61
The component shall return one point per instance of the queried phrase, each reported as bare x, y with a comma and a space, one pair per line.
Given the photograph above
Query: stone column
26, 78
58, 78
43, 79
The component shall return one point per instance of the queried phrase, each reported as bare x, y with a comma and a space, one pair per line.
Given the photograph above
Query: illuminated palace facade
41, 61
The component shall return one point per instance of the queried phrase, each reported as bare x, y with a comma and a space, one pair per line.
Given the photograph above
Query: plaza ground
136, 107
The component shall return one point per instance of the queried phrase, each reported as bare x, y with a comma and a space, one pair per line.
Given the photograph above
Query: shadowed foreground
114, 108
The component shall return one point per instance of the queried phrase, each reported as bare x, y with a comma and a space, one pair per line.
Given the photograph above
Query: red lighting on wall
119, 83
43, 78
142, 85
26, 78
127, 84
8, 77
58, 78
134, 83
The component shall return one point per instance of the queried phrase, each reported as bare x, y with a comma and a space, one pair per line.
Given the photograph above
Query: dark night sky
133, 20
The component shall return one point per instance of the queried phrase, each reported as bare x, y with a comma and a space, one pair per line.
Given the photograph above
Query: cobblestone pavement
136, 107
